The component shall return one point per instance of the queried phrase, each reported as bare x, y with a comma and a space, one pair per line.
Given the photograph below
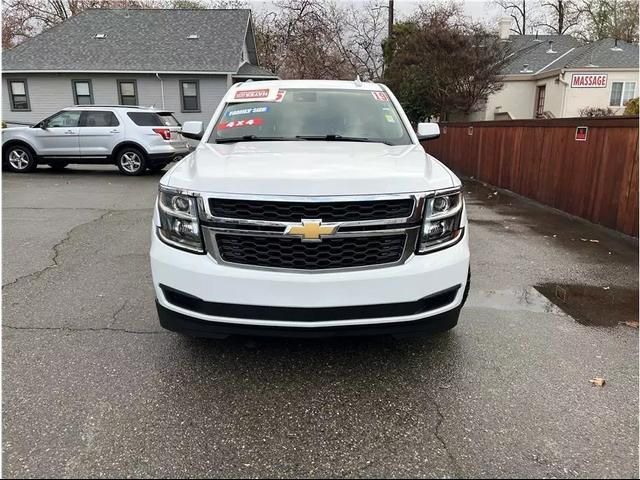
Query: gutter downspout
564, 91
161, 89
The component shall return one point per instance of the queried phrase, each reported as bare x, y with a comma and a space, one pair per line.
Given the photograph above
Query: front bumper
213, 296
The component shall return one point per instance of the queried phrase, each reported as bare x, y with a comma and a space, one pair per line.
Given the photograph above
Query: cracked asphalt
93, 387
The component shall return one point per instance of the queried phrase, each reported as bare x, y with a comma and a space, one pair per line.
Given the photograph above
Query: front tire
131, 161
19, 159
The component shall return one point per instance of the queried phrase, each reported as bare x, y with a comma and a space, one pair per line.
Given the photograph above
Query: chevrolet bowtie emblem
311, 230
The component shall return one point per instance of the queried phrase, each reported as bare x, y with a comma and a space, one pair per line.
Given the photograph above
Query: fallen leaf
631, 323
599, 382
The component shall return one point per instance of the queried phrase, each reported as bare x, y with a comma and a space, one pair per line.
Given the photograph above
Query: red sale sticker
251, 122
280, 95
246, 94
380, 96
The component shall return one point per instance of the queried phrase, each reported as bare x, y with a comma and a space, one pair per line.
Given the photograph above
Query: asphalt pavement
93, 387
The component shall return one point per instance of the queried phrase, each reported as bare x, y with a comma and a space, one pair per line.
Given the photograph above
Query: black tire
58, 167
131, 161
157, 168
19, 158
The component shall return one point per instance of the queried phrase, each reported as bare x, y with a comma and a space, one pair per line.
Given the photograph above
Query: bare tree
297, 40
15, 27
516, 9
358, 33
609, 19
563, 16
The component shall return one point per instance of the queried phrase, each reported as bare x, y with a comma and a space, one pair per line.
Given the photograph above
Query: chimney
504, 27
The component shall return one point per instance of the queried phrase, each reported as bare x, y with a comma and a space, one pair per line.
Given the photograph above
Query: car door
57, 136
100, 132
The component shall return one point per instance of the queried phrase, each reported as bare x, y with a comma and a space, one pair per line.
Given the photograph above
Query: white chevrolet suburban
309, 208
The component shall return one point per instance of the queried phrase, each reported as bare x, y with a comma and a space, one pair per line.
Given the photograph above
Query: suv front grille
291, 253
279, 211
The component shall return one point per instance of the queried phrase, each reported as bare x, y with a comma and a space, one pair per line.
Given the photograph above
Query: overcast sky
481, 10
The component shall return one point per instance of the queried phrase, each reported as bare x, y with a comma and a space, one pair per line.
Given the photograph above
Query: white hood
309, 168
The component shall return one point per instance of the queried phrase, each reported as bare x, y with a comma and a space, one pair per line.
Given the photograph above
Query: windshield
313, 114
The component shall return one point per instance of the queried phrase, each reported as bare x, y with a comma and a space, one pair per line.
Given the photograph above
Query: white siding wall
516, 98
553, 95
49, 93
579, 98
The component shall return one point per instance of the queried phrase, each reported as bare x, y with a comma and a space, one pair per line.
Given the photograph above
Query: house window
621, 93
128, 92
190, 95
82, 92
19, 95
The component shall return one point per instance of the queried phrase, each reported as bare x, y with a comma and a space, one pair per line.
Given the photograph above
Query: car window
99, 119
168, 119
315, 114
146, 119
64, 119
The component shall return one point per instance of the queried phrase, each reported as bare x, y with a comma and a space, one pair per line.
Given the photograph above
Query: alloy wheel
19, 159
131, 162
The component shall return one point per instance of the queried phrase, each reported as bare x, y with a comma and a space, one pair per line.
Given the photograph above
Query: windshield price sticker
252, 122
259, 95
252, 94
280, 95
380, 96
247, 111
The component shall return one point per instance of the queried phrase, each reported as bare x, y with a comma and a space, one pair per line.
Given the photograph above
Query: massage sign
589, 80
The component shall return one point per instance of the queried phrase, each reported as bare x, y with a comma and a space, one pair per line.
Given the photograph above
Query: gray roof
137, 40
604, 54
533, 51
248, 70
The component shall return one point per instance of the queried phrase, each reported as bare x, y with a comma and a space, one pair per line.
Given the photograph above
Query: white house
180, 60
555, 76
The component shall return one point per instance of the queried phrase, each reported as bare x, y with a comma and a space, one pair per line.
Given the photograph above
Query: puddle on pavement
521, 298
594, 306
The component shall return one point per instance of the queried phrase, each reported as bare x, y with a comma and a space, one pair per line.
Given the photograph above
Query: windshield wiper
251, 138
340, 138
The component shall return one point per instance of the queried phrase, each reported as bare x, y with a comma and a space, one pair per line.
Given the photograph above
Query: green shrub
632, 107
596, 112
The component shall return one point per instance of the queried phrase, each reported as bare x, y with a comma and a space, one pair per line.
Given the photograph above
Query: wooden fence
596, 179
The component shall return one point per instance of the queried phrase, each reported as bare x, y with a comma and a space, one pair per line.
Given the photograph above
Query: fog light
184, 227
436, 229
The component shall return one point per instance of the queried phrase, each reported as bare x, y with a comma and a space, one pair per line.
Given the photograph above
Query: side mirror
192, 130
42, 125
428, 131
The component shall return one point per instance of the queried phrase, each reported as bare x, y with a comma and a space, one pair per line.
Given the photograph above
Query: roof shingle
533, 51
137, 40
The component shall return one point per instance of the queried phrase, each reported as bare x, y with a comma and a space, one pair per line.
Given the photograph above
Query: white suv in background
309, 208
134, 138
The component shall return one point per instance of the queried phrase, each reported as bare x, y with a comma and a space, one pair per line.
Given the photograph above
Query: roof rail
141, 107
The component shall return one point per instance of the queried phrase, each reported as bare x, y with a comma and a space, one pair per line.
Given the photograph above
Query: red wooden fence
596, 179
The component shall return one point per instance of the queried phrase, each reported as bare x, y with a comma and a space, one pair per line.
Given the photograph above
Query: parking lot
92, 386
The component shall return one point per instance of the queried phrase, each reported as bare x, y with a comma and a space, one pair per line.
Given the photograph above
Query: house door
540, 102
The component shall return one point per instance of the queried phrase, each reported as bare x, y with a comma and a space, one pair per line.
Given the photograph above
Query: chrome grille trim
410, 226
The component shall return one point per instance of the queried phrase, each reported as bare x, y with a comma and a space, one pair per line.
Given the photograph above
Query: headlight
441, 224
179, 224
